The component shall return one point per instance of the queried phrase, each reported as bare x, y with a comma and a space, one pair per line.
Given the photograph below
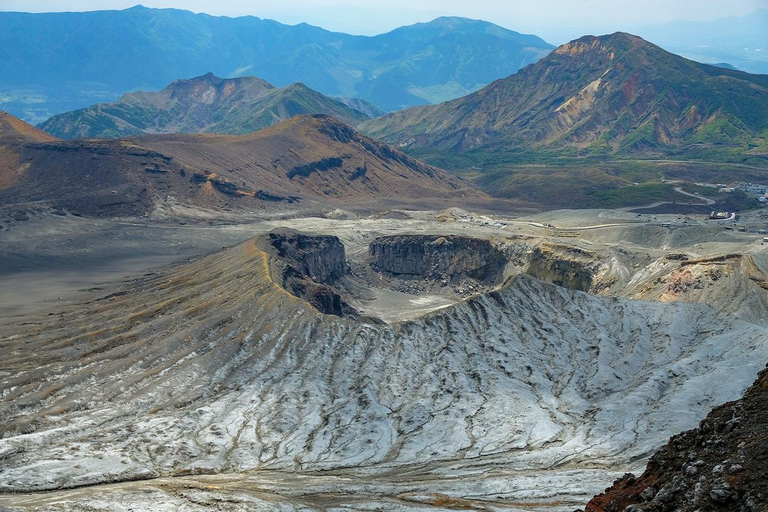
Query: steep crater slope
466, 265
309, 267
452, 263
438, 257
736, 283
446, 268
211, 366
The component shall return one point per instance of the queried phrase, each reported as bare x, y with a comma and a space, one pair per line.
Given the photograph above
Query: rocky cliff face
438, 257
469, 265
321, 258
308, 267
563, 267
720, 466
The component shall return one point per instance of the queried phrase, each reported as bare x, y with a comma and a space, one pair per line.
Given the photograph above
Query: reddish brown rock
720, 466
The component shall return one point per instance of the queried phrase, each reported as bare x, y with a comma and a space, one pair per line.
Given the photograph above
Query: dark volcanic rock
438, 257
321, 258
309, 266
720, 466
554, 268
266, 196
321, 165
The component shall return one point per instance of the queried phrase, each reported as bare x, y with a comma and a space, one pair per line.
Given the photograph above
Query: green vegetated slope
203, 104
601, 112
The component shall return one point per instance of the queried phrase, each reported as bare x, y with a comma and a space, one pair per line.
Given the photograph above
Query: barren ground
54, 265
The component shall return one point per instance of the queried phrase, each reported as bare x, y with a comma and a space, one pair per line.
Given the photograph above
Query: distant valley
740, 41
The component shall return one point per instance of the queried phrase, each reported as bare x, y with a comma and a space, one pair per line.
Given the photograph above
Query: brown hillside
14, 130
312, 156
305, 160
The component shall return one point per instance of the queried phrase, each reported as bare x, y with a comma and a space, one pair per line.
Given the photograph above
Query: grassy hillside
203, 104
612, 95
597, 114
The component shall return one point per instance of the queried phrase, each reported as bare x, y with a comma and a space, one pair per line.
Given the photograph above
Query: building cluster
755, 190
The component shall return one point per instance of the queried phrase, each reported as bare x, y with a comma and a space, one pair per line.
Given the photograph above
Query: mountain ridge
306, 162
202, 104
144, 48
594, 95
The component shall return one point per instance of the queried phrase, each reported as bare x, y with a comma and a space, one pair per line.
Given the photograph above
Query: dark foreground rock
720, 466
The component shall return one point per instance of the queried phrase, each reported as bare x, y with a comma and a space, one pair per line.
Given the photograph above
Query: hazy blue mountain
55, 62
366, 107
741, 41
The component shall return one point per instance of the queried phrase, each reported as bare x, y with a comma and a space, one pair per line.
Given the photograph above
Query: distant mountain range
55, 62
203, 104
596, 96
305, 162
741, 41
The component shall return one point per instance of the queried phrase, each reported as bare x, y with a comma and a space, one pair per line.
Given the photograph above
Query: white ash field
521, 372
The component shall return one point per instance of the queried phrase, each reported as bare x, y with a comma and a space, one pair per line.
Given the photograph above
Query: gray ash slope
719, 466
213, 367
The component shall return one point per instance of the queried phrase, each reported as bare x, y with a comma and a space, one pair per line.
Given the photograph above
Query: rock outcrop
567, 267
418, 263
308, 267
438, 257
321, 258
720, 466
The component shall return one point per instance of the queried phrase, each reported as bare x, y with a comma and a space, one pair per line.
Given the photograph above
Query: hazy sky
554, 20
